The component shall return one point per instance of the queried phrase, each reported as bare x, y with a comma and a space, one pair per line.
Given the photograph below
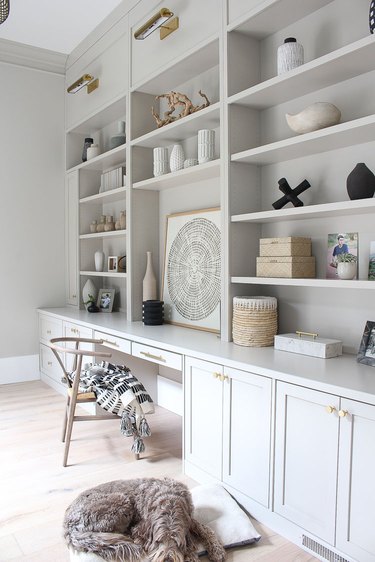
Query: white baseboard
170, 395
19, 369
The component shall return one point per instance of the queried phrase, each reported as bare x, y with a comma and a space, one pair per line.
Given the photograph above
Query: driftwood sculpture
175, 99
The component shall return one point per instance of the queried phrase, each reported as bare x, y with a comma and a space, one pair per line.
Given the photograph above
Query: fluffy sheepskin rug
126, 520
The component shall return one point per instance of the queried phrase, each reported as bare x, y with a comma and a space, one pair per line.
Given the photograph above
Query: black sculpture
290, 194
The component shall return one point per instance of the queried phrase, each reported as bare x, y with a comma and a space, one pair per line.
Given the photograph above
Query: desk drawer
49, 327
49, 364
157, 355
76, 331
113, 342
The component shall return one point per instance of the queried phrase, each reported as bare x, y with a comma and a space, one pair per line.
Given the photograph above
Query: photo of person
105, 300
338, 244
370, 350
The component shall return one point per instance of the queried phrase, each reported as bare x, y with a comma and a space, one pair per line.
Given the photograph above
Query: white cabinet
71, 238
228, 426
71, 330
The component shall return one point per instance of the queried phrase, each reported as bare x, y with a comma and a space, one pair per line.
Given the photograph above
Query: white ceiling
57, 25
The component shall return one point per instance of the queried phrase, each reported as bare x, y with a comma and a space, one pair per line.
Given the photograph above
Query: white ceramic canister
206, 145
161, 164
289, 55
177, 158
93, 151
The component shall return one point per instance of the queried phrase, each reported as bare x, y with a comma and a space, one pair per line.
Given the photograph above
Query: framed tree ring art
192, 269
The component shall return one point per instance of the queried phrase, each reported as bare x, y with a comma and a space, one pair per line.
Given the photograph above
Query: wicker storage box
291, 246
286, 267
254, 321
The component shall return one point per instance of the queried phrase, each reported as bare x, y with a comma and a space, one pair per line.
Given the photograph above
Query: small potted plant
90, 304
346, 266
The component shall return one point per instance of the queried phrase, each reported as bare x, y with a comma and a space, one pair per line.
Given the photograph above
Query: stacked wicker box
285, 257
254, 321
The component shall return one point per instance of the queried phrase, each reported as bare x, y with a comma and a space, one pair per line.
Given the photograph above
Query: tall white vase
161, 164
149, 280
99, 260
89, 293
177, 158
206, 145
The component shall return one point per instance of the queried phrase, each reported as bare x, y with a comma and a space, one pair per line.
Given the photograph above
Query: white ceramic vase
89, 293
289, 55
177, 158
93, 151
206, 145
346, 270
149, 280
99, 260
161, 164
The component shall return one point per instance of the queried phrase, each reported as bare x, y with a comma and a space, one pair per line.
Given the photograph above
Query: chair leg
136, 456
70, 416
65, 419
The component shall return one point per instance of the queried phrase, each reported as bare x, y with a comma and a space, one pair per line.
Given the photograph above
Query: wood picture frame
191, 284
366, 352
105, 300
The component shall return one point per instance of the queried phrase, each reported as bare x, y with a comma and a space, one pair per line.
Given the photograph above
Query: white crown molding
32, 57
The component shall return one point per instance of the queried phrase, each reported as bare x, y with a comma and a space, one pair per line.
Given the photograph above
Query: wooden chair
75, 397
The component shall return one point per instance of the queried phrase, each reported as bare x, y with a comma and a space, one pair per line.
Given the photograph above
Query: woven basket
254, 321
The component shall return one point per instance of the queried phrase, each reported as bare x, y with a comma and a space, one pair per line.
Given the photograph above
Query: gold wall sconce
85, 80
156, 22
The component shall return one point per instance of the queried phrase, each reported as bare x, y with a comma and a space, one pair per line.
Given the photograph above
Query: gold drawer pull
115, 344
48, 331
330, 409
216, 375
150, 356
343, 413
74, 330
49, 363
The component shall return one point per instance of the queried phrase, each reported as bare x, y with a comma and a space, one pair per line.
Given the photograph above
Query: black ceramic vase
153, 313
360, 182
372, 17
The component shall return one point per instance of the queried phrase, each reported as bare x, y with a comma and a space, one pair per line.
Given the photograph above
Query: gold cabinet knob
74, 296
343, 413
330, 409
216, 375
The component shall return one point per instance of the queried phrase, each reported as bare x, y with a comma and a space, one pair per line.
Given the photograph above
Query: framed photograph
192, 270
117, 264
105, 300
371, 262
340, 243
366, 352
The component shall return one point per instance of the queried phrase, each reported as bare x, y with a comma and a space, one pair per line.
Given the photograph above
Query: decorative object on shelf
371, 262
285, 257
88, 142
189, 162
360, 183
117, 264
112, 179
366, 352
177, 158
254, 321
120, 224
85, 80
99, 260
206, 145
316, 116
105, 300
177, 99
92, 151
89, 292
290, 195
372, 16
120, 137
153, 313
289, 55
92, 308
157, 22
101, 225
149, 280
306, 343
109, 224
192, 270
4, 10
93, 226
290, 246
339, 244
346, 266
161, 163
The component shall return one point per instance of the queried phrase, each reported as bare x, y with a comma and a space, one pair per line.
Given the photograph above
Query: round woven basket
254, 321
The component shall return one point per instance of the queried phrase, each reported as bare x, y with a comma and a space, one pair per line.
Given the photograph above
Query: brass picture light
157, 21
85, 80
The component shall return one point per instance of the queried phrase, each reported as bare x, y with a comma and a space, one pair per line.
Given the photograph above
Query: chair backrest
78, 353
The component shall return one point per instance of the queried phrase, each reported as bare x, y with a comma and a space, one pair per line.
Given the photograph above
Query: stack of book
112, 179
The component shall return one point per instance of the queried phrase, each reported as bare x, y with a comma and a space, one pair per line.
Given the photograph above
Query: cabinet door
356, 486
306, 458
71, 238
247, 434
203, 415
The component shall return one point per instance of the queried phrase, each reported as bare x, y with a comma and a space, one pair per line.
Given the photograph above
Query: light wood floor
35, 489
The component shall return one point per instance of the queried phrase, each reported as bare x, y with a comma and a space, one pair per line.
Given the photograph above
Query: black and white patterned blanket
119, 392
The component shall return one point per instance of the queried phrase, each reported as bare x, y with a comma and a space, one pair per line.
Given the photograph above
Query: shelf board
342, 64
102, 274
338, 209
270, 16
109, 196
208, 118
99, 119
111, 234
182, 177
318, 283
338, 136
114, 157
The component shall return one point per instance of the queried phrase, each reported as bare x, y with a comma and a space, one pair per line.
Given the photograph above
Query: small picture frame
117, 264
105, 300
366, 352
371, 262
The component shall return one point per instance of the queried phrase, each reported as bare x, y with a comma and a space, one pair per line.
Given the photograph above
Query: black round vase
372, 17
360, 182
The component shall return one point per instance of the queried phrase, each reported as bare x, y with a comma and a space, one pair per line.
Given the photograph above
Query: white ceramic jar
289, 55
93, 151
206, 145
161, 165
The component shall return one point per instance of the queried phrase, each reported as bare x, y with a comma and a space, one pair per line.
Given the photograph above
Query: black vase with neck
360, 182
